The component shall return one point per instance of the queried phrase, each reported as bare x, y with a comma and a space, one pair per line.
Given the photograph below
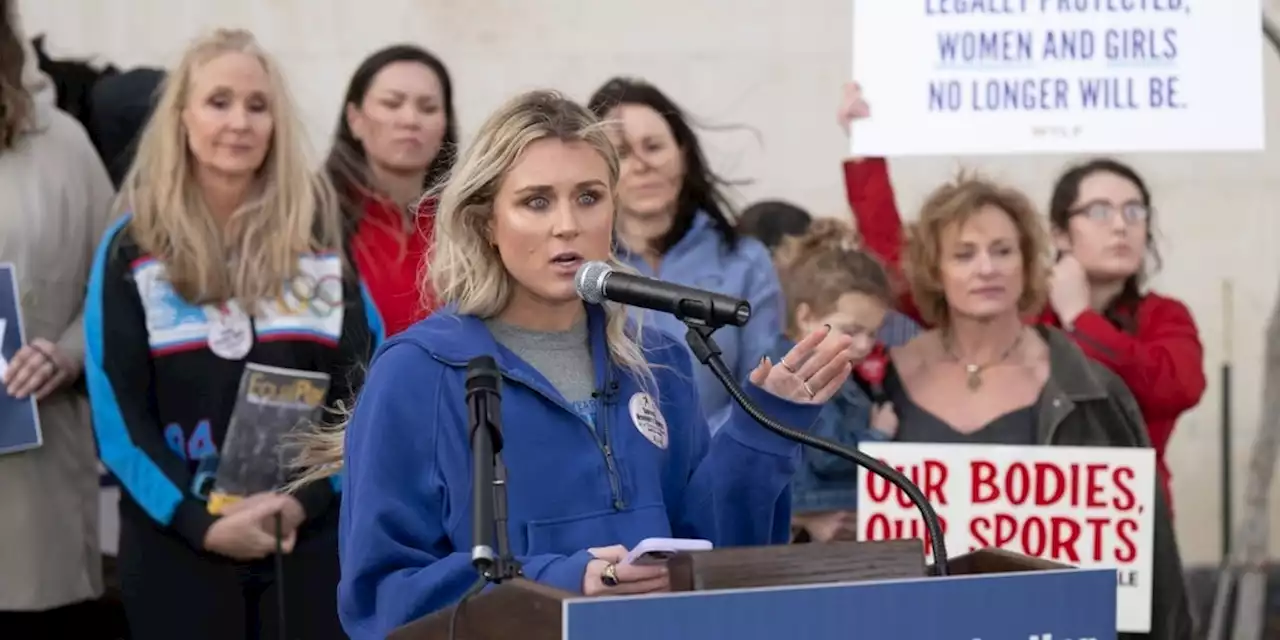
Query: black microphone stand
491, 550
491, 553
707, 352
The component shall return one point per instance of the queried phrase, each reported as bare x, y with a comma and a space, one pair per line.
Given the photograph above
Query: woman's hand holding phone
607, 574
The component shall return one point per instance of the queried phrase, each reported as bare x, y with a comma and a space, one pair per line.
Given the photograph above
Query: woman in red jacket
395, 138
1101, 218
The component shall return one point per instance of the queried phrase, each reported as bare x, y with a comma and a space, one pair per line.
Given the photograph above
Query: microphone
597, 282
490, 551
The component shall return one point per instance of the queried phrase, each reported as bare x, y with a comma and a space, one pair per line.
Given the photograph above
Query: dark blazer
1085, 404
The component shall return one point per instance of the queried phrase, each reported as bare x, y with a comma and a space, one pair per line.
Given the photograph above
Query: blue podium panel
1045, 605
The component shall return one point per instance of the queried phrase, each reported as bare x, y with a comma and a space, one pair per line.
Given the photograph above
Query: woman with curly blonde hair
228, 255
977, 262
604, 439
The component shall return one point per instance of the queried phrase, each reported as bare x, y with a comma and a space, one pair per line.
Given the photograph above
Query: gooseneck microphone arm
703, 312
707, 352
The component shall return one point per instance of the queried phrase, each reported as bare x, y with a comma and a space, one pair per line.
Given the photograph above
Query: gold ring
609, 577
808, 389
782, 362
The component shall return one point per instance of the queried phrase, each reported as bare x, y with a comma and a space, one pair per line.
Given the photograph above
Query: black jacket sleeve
1170, 607
361, 334
118, 370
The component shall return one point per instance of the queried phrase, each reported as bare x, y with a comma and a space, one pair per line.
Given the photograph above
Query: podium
839, 590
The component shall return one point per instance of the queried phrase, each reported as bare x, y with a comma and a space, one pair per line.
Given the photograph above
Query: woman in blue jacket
604, 441
675, 223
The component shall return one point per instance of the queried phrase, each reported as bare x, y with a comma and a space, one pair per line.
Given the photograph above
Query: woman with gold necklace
977, 262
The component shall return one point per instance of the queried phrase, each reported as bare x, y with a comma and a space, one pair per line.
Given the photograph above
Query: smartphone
653, 551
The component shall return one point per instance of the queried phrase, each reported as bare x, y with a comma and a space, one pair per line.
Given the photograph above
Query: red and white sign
1090, 507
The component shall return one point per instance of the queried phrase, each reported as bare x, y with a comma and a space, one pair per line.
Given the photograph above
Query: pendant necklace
973, 371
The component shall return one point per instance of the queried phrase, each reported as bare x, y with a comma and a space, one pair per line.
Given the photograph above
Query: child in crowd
827, 280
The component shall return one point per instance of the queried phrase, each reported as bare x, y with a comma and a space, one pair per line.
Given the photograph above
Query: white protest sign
1043, 76
1089, 507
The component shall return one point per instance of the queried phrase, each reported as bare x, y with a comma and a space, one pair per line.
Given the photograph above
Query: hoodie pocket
571, 534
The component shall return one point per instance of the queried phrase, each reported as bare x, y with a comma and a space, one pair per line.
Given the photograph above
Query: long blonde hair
291, 211
465, 270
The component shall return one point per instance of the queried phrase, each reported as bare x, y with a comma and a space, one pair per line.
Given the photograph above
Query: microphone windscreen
589, 281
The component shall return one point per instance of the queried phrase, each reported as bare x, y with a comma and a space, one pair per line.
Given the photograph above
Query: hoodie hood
43, 94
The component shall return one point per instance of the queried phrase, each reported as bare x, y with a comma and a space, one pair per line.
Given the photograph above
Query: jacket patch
648, 419
310, 308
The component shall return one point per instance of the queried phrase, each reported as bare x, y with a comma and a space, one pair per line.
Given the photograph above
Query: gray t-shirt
562, 357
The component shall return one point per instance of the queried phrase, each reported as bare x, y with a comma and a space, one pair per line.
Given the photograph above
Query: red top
391, 262
1162, 364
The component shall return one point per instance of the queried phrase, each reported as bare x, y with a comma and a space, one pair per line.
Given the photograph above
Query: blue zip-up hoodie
701, 259
405, 531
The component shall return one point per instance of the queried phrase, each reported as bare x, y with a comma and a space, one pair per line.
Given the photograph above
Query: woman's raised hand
852, 107
811, 372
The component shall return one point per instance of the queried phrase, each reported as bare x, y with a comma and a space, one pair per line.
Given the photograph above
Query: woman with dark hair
394, 139
1101, 217
773, 221
676, 224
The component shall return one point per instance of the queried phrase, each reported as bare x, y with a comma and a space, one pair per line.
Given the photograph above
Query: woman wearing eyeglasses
1102, 222
1101, 217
